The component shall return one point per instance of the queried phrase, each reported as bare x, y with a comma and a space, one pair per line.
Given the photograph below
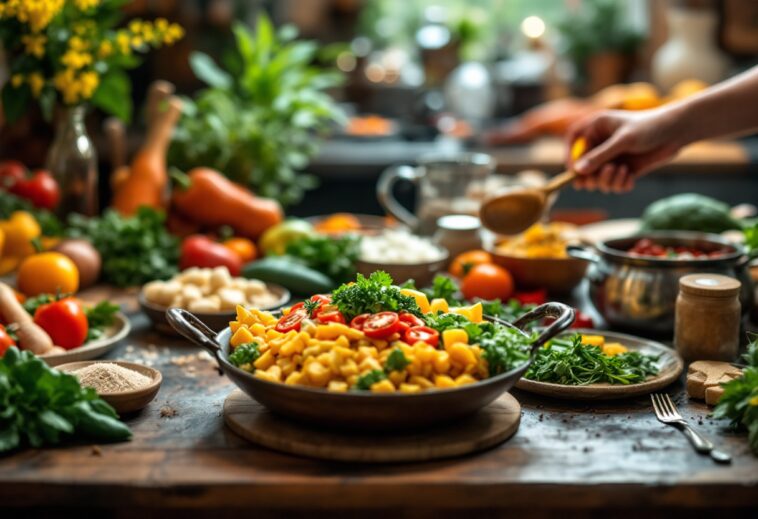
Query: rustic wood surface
493, 425
579, 455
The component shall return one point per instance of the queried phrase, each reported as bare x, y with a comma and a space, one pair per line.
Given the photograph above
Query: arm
627, 145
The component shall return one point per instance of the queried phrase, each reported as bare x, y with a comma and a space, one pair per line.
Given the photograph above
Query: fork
667, 413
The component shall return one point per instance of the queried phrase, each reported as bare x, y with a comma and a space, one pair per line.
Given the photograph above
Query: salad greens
569, 362
40, 405
739, 403
334, 257
372, 294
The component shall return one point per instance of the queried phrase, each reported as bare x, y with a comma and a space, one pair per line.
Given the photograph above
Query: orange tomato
465, 261
47, 273
243, 247
487, 281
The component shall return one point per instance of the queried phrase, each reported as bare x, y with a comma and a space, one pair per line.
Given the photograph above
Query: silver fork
666, 412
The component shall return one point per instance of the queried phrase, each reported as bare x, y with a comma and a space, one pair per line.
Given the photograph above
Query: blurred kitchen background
501, 76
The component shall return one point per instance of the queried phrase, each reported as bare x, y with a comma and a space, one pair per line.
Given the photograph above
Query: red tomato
292, 320
6, 341
358, 321
331, 316
201, 251
11, 171
408, 320
582, 320
41, 189
423, 334
536, 297
487, 282
381, 325
64, 321
323, 301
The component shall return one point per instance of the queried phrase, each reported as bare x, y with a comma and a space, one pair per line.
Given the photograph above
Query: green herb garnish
569, 362
396, 361
333, 257
244, 355
371, 295
40, 405
99, 318
365, 382
32, 303
739, 403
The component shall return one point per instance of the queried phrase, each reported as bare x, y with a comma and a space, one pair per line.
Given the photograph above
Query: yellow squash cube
454, 335
421, 300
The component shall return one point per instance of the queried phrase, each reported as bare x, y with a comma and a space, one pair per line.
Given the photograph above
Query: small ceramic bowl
216, 321
125, 401
422, 273
556, 275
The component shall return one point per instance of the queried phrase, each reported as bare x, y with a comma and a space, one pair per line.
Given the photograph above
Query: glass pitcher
445, 184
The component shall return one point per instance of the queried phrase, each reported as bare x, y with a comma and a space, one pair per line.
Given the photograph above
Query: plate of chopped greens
599, 365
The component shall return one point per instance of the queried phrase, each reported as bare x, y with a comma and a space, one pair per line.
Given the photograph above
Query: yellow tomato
47, 273
243, 247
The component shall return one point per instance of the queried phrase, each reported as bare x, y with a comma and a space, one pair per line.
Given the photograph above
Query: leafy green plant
40, 405
334, 257
739, 403
256, 121
372, 294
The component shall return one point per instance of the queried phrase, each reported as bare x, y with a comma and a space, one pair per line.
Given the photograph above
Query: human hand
623, 146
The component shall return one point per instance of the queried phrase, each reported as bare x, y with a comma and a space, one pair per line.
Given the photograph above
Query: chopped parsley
396, 361
245, 354
365, 382
372, 294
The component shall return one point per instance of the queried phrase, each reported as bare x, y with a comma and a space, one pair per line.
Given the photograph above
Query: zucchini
688, 212
294, 276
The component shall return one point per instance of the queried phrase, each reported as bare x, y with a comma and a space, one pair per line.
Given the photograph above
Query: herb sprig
372, 294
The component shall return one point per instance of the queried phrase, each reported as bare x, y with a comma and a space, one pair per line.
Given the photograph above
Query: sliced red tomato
323, 300
358, 321
407, 321
381, 325
422, 334
292, 320
331, 316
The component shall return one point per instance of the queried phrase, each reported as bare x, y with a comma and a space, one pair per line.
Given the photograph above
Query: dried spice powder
106, 377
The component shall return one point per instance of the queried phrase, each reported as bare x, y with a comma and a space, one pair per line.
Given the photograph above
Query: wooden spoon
515, 210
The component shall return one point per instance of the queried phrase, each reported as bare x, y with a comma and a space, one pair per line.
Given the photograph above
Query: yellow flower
17, 80
105, 50
76, 60
173, 33
65, 82
34, 44
77, 43
36, 13
123, 42
36, 82
135, 26
161, 24
754, 401
84, 5
137, 41
88, 83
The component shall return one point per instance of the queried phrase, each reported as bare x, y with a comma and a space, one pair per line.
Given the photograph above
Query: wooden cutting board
489, 427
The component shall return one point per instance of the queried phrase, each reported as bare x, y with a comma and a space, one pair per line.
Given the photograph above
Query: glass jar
708, 316
72, 160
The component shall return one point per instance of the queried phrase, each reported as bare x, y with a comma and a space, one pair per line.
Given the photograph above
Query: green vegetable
244, 355
259, 117
99, 318
739, 403
135, 249
365, 382
396, 361
688, 212
32, 303
751, 240
48, 222
569, 362
371, 295
40, 405
333, 257
444, 287
292, 275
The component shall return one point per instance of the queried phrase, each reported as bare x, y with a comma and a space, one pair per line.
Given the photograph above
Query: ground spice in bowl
107, 377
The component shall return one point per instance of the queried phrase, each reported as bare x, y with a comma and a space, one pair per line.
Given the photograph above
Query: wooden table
612, 456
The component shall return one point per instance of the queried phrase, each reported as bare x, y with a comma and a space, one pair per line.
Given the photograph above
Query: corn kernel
265, 361
422, 382
383, 386
443, 381
241, 336
464, 380
337, 385
460, 353
317, 374
454, 335
409, 388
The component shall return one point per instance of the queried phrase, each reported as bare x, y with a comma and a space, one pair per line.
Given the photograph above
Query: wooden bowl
556, 275
125, 401
216, 321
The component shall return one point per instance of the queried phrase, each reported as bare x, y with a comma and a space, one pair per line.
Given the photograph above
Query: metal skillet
358, 410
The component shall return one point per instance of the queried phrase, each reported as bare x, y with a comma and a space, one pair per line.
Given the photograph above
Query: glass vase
72, 160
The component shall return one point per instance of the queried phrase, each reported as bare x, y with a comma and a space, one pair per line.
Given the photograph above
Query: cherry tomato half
6, 341
331, 316
381, 325
407, 321
358, 321
292, 320
423, 334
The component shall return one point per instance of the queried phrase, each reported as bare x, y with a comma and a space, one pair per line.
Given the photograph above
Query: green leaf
9, 438
113, 95
15, 101
56, 421
207, 70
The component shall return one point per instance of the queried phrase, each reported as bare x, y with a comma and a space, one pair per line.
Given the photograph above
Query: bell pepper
41, 189
201, 251
19, 231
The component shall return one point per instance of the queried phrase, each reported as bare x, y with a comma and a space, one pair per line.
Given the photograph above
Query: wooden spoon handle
559, 181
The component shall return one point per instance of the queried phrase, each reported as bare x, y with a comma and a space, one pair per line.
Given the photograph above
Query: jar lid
459, 222
711, 285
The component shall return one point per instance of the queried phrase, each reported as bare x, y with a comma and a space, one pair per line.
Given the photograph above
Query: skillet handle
564, 317
192, 328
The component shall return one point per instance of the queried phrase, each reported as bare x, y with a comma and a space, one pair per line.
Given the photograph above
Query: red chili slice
331, 316
422, 334
358, 321
381, 325
292, 320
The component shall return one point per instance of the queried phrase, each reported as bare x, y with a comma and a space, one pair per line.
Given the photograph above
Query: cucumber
293, 276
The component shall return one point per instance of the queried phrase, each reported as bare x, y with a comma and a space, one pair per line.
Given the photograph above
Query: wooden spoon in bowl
515, 210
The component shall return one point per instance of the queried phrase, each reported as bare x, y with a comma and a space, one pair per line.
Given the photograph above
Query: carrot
30, 336
212, 200
148, 179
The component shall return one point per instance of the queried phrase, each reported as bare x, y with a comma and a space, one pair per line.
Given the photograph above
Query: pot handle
384, 186
192, 328
563, 315
583, 252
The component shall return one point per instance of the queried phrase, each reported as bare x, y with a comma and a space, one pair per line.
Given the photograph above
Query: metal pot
639, 294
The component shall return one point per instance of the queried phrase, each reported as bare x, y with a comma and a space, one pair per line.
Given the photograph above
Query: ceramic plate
93, 349
670, 365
